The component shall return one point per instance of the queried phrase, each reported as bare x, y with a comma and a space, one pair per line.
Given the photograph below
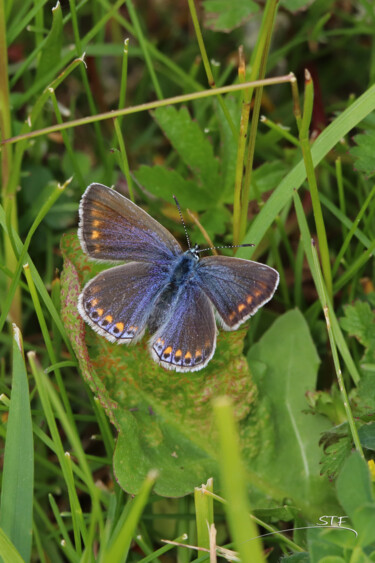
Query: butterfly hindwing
186, 340
111, 227
236, 287
117, 303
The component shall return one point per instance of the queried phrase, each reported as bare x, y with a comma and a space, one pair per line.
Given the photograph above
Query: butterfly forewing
118, 302
187, 339
111, 227
236, 287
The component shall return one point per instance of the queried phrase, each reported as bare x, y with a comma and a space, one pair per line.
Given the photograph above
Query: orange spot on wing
109, 318
100, 312
241, 307
187, 356
95, 235
119, 326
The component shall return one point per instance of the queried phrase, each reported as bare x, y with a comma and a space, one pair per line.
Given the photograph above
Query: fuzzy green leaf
163, 417
335, 455
221, 15
193, 147
359, 321
165, 184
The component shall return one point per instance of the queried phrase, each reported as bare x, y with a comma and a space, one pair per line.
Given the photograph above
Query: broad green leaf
283, 378
165, 184
193, 147
326, 543
51, 54
364, 152
163, 417
16, 514
267, 176
354, 492
367, 435
221, 15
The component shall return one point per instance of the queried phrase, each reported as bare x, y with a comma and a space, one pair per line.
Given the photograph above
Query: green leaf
359, 321
294, 5
354, 492
51, 53
267, 176
165, 184
283, 378
363, 153
193, 147
367, 435
221, 15
164, 418
16, 515
335, 455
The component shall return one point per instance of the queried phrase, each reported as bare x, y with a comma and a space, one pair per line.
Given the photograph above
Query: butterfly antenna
219, 247
182, 221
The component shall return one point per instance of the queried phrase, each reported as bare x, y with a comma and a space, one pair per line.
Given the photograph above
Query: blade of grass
332, 135
21, 258
339, 338
121, 540
310, 173
204, 513
124, 163
9, 202
353, 228
269, 16
207, 66
40, 380
328, 314
18, 474
9, 553
144, 47
103, 154
234, 485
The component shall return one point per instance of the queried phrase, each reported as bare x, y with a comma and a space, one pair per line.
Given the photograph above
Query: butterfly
173, 294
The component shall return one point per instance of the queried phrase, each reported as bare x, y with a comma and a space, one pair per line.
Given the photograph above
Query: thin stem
148, 106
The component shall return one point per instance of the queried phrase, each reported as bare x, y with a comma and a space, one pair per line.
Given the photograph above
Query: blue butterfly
172, 293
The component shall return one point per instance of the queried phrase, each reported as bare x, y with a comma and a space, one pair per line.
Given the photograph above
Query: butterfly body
173, 294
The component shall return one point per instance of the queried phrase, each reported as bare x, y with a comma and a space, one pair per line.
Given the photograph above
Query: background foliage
279, 166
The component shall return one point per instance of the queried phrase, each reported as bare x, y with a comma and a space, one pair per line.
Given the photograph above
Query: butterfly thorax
182, 270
